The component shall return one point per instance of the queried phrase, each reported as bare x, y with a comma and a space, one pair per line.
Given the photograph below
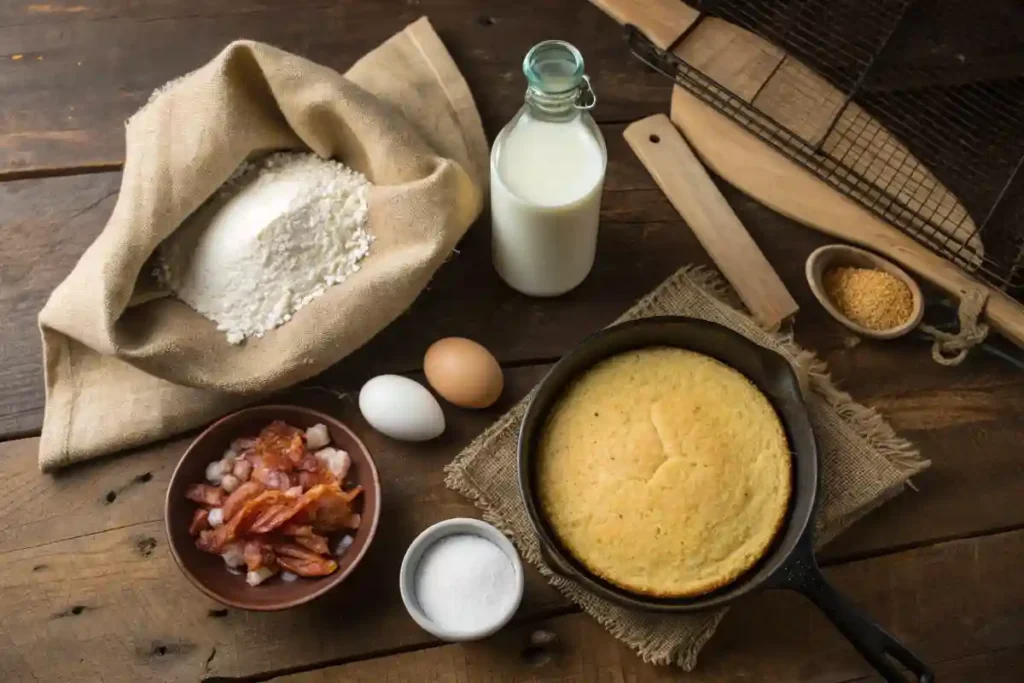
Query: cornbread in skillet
664, 472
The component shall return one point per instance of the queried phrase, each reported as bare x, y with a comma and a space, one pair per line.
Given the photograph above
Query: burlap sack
863, 464
126, 364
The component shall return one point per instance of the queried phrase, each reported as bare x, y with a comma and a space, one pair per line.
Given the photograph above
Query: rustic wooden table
88, 590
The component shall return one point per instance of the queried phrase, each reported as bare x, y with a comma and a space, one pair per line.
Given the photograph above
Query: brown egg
463, 372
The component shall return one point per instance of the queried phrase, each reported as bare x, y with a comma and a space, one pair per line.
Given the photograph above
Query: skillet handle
875, 644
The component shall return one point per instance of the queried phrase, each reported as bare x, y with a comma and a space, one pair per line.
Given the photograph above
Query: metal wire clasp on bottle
586, 98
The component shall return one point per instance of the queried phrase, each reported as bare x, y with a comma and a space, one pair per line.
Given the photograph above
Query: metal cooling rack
945, 77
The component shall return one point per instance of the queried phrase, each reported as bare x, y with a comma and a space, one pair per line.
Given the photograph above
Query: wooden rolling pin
663, 21
782, 185
688, 186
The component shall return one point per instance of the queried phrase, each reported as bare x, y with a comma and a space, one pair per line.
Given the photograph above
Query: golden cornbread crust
665, 472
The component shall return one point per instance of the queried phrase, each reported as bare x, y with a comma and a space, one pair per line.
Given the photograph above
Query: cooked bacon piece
303, 561
289, 549
309, 463
287, 509
293, 529
314, 542
321, 475
280, 429
280, 446
271, 478
304, 535
240, 523
273, 460
258, 554
333, 509
210, 541
296, 450
199, 521
308, 480
278, 515
309, 567
240, 497
206, 495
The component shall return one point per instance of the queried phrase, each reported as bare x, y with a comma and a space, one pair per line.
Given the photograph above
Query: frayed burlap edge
813, 375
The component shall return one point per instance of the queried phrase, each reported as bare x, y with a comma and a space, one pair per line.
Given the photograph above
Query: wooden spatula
682, 178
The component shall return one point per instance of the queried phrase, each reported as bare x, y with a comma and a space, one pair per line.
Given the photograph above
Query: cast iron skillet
790, 562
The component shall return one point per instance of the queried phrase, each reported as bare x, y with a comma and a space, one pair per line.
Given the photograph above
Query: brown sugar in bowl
208, 572
824, 259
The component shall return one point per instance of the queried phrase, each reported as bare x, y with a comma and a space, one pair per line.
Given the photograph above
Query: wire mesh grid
916, 111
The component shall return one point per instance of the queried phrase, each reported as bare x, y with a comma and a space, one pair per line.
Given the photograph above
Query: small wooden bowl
837, 255
208, 572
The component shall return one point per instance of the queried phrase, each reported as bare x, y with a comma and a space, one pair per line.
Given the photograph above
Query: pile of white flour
278, 234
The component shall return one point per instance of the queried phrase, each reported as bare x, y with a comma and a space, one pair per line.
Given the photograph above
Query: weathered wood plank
474, 664
46, 226
118, 491
977, 455
81, 73
974, 484
49, 222
958, 605
97, 520
451, 664
71, 550
968, 419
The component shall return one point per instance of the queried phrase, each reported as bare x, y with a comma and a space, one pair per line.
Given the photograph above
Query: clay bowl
825, 258
208, 572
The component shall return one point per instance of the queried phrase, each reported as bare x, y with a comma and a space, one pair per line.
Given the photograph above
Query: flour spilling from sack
279, 233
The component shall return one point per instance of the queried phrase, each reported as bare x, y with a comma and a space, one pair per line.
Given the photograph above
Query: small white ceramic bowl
449, 527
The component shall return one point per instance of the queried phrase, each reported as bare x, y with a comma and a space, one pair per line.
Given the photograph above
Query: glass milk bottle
547, 172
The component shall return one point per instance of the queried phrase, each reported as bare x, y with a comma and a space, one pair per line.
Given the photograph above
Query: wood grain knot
70, 612
159, 649
145, 545
137, 479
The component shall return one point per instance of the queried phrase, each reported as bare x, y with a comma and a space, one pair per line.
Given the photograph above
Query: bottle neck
553, 106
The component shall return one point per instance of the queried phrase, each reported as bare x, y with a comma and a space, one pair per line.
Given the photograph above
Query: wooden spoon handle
782, 185
688, 186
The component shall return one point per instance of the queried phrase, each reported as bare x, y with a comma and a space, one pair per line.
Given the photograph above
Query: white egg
401, 408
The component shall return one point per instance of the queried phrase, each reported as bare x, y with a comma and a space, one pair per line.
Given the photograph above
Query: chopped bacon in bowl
206, 495
199, 521
283, 508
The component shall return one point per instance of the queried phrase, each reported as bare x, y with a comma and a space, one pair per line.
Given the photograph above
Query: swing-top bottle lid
555, 67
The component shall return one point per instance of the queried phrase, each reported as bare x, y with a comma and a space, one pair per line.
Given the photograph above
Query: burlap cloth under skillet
126, 364
863, 463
